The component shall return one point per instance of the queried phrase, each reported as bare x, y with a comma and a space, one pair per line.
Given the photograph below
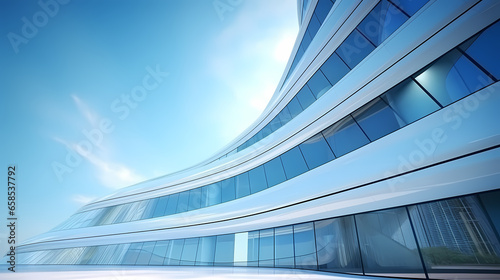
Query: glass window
253, 248
194, 199
240, 249
188, 256
345, 136
294, 163
305, 97
316, 151
174, 252
266, 130
214, 194
150, 209
182, 205
388, 246
455, 236
381, 22
257, 179
274, 172
452, 77
285, 116
206, 251
313, 27
159, 252
161, 206
275, 123
172, 204
409, 101
484, 49
224, 250
410, 6
283, 249
318, 84
334, 68
492, 207
294, 107
377, 119
242, 185
228, 191
145, 254
130, 257
322, 9
354, 49
305, 246
337, 245
266, 248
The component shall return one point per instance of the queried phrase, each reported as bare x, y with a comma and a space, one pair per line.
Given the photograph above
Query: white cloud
89, 115
82, 199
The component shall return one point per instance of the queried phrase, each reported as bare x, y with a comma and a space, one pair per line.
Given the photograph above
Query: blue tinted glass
172, 204
266, 248
322, 9
206, 251
266, 130
224, 250
410, 6
160, 207
150, 209
283, 249
318, 84
182, 205
189, 251
274, 172
381, 22
194, 199
228, 191
174, 252
257, 179
316, 151
204, 197
131, 256
253, 248
294, 163
305, 247
485, 49
145, 254
294, 107
214, 194
354, 49
337, 245
285, 116
242, 184
305, 97
377, 119
159, 252
345, 136
275, 123
313, 27
334, 69
306, 41
452, 77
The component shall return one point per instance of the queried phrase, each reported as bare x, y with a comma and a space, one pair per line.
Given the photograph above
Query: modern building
378, 155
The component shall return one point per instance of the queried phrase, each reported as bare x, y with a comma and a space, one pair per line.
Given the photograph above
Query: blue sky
158, 86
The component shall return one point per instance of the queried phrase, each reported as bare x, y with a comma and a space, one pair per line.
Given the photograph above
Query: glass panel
275, 123
240, 248
455, 237
242, 185
159, 252
337, 244
150, 209
182, 205
484, 49
214, 194
228, 191
189, 251
318, 84
206, 251
377, 119
322, 9
313, 27
490, 202
146, 251
410, 6
294, 163
130, 257
224, 250
345, 136
354, 49
266, 248
381, 22
409, 101
294, 107
274, 172
253, 248
305, 246
334, 69
388, 246
172, 204
266, 130
305, 97
285, 116
174, 252
161, 206
452, 77
283, 253
316, 151
194, 199
257, 179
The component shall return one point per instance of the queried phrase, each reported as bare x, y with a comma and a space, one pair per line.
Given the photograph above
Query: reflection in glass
188, 256
305, 246
174, 252
345, 136
293, 162
305, 97
274, 172
377, 119
284, 253
266, 248
145, 254
253, 248
158, 256
224, 250
318, 84
257, 179
354, 49
242, 185
206, 251
316, 151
